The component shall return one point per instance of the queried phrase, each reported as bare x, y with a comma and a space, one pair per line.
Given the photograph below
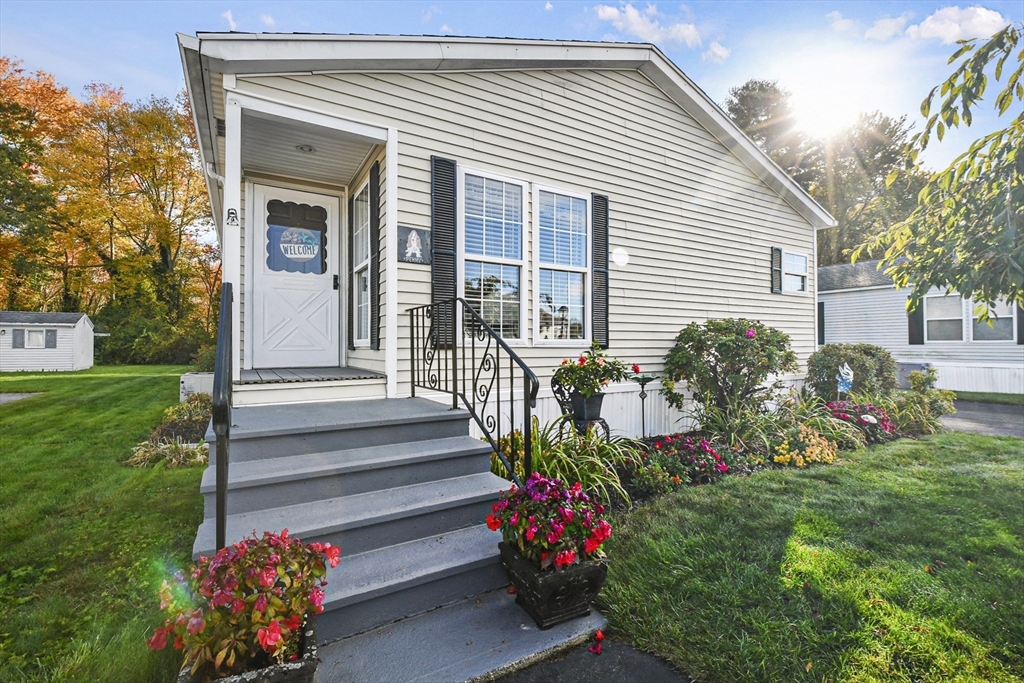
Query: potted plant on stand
586, 377
246, 614
552, 536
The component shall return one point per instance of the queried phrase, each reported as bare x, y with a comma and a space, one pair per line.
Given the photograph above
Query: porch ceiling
270, 144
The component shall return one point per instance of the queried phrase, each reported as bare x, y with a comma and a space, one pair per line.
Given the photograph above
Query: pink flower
237, 606
722, 467
333, 555
268, 576
595, 648
293, 622
196, 624
270, 636
564, 558
751, 333
261, 603
159, 639
316, 598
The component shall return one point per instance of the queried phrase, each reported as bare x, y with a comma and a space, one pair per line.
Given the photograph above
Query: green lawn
989, 397
86, 541
900, 563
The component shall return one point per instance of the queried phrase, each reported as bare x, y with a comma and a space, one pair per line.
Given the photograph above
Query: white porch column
391, 263
231, 254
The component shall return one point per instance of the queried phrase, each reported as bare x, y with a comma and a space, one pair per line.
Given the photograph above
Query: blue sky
837, 58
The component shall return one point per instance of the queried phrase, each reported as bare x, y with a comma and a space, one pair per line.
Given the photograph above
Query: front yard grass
85, 540
903, 562
989, 397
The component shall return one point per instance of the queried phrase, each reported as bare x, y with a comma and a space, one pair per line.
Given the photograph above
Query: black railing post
222, 378
528, 430
456, 335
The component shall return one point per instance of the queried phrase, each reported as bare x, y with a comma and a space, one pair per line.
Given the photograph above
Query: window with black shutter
51, 339
821, 323
443, 256
776, 270
915, 325
17, 339
599, 225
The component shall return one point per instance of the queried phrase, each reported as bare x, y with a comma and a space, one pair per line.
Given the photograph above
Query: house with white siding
418, 230
45, 341
858, 303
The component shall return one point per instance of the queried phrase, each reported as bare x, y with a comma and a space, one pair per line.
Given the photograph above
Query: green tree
852, 184
966, 232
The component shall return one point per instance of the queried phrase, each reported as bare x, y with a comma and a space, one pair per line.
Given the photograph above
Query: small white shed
45, 341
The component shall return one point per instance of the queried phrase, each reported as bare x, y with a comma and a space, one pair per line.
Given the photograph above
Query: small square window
999, 326
944, 318
35, 339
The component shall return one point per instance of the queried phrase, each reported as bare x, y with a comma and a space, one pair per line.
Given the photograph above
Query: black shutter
599, 227
776, 270
375, 255
1020, 324
17, 339
915, 325
351, 286
821, 323
51, 339
444, 266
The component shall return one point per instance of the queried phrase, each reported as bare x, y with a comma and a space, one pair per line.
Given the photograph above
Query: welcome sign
296, 250
299, 244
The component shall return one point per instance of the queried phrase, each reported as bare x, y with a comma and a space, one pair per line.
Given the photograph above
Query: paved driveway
991, 419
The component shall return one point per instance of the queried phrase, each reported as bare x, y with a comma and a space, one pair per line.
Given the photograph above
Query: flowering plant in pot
552, 538
247, 609
587, 376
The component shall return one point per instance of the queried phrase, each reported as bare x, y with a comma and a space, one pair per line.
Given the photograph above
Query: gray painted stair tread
337, 514
249, 422
285, 375
396, 567
476, 638
291, 468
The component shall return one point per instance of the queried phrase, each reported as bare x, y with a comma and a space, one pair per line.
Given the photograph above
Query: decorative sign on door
296, 237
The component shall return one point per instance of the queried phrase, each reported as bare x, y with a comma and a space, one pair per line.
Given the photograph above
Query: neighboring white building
857, 303
45, 341
568, 190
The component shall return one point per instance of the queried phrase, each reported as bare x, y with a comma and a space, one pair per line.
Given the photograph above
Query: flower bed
872, 420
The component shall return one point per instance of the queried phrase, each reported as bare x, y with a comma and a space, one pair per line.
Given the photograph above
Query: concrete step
276, 482
370, 589
274, 431
477, 639
372, 520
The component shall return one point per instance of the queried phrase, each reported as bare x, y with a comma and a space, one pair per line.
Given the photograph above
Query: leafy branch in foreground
965, 233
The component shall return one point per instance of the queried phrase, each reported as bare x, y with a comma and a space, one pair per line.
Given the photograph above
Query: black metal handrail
469, 366
222, 407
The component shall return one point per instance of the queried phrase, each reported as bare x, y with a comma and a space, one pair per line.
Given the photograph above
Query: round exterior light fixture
306, 149
620, 257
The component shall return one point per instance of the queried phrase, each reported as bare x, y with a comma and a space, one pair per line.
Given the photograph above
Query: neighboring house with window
859, 303
45, 341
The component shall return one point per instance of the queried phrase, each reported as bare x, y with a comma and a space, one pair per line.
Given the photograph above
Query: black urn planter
584, 408
551, 597
299, 671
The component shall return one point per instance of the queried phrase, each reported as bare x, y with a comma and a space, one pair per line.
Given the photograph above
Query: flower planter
586, 408
551, 597
299, 671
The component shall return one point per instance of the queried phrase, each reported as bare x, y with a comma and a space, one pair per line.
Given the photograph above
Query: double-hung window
1001, 327
794, 272
944, 318
492, 217
563, 248
361, 264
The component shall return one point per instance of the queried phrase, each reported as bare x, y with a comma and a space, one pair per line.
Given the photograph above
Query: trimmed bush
874, 370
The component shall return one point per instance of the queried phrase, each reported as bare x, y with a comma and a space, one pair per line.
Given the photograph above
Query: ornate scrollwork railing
454, 351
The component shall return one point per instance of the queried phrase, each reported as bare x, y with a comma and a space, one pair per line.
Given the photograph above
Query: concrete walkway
991, 419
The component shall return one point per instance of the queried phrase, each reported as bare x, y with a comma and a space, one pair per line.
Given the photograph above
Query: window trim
588, 271
963, 331
806, 274
357, 342
521, 263
42, 338
970, 325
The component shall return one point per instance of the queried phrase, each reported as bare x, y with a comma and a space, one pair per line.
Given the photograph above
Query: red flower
178, 644
636, 369
564, 558
591, 544
237, 606
270, 636
493, 523
582, 361
159, 639
268, 576
333, 554
293, 622
595, 648
598, 636
261, 603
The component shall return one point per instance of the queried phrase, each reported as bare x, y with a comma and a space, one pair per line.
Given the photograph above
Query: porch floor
285, 375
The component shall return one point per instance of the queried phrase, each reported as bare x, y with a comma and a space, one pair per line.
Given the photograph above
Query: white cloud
267, 20
231, 20
445, 28
430, 13
548, 7
951, 24
840, 24
716, 53
645, 26
887, 27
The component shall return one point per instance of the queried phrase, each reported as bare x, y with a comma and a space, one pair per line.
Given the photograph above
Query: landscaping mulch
618, 661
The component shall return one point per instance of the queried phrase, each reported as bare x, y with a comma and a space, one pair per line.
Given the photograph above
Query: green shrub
874, 370
186, 421
205, 358
914, 413
175, 453
726, 364
565, 454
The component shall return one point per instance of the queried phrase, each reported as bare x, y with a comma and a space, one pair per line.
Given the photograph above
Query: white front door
296, 319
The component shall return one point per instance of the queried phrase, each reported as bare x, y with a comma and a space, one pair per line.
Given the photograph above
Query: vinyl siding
698, 225
60, 358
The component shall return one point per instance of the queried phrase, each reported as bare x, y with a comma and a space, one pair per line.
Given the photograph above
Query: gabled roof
302, 53
31, 318
852, 276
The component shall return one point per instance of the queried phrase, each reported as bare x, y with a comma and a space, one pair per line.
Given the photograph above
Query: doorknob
337, 282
